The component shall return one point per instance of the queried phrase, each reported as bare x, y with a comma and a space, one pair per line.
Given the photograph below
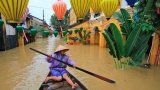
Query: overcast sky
36, 8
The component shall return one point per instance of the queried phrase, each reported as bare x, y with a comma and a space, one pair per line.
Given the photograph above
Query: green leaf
123, 30
125, 14
127, 26
127, 20
110, 43
112, 38
118, 16
118, 40
132, 39
140, 54
144, 37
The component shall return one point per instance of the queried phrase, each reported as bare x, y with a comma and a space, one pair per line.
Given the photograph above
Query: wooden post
154, 49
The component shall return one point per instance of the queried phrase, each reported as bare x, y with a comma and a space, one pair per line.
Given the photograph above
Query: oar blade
97, 76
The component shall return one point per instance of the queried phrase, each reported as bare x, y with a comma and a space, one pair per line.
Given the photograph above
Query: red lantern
59, 8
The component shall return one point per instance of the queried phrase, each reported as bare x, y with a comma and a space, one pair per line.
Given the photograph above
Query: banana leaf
118, 40
118, 16
144, 37
128, 28
132, 39
127, 20
123, 31
117, 55
134, 58
148, 7
137, 59
110, 43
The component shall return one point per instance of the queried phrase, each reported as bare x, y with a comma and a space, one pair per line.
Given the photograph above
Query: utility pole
43, 23
43, 17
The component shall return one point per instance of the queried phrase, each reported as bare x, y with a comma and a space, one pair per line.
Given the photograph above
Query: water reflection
24, 69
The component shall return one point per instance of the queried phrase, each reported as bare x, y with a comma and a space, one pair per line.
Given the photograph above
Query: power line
39, 7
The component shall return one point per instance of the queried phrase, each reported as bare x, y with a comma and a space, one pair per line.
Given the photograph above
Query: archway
96, 31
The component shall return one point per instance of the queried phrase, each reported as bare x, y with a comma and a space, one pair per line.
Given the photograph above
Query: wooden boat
61, 85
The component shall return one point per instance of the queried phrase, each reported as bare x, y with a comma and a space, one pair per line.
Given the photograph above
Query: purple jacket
57, 64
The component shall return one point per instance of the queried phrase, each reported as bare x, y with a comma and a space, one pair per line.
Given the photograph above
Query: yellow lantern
109, 7
13, 10
96, 6
81, 7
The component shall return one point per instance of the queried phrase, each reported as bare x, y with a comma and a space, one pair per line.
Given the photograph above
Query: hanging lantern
96, 6
24, 15
74, 39
131, 2
13, 10
33, 31
55, 33
81, 7
70, 32
59, 8
76, 30
19, 29
64, 33
81, 28
1, 23
109, 7
46, 33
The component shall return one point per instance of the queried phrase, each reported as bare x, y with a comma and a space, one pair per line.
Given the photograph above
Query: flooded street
24, 69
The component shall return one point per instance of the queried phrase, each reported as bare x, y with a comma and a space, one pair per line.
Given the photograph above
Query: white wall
10, 30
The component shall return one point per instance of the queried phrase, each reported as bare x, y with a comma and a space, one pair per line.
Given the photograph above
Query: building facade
97, 24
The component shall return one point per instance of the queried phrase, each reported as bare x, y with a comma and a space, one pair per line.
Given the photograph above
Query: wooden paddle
90, 73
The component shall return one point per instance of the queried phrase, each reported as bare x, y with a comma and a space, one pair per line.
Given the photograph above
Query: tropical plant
133, 50
146, 12
83, 34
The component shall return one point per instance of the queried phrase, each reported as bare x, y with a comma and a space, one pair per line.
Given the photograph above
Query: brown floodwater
24, 69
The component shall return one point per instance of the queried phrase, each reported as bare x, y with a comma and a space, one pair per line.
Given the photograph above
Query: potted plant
158, 6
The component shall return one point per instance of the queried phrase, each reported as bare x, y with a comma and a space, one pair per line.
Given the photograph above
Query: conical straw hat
60, 48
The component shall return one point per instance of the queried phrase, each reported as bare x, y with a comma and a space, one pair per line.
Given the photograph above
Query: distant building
39, 24
9, 36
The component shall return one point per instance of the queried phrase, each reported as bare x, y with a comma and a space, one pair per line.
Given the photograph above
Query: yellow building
94, 24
